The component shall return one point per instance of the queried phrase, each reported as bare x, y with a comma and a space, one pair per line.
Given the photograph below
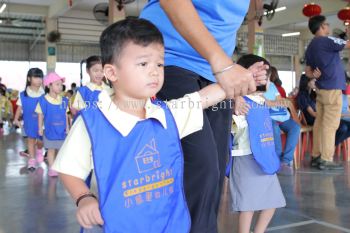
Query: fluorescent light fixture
277, 10
291, 34
0, 21
281, 9
3, 7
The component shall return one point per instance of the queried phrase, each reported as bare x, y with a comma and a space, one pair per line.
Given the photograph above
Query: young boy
135, 143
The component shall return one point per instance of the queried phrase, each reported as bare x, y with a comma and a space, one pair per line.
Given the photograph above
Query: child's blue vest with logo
261, 137
54, 118
30, 117
139, 176
90, 97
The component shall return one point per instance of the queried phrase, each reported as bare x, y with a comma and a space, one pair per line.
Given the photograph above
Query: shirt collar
57, 100
125, 122
33, 93
94, 86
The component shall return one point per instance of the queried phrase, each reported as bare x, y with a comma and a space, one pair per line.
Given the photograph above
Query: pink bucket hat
52, 77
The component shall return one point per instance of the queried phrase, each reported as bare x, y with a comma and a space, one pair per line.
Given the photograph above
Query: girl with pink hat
53, 119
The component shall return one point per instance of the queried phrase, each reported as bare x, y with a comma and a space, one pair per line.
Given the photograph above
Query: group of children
132, 141
45, 118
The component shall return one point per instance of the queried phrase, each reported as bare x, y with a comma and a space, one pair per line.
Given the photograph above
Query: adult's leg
332, 102
316, 130
220, 119
201, 169
292, 130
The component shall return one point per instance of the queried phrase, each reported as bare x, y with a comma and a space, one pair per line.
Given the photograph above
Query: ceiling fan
7, 20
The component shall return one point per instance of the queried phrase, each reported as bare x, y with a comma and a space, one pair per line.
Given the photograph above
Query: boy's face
96, 74
139, 73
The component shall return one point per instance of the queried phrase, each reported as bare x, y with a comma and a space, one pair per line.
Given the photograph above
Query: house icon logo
148, 158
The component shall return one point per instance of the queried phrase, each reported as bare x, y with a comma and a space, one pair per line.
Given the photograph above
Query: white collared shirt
74, 157
31, 93
240, 131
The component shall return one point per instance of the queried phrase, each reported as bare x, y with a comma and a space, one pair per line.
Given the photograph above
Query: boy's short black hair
315, 23
116, 36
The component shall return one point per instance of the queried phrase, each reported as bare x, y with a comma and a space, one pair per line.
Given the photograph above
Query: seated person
281, 120
277, 81
307, 103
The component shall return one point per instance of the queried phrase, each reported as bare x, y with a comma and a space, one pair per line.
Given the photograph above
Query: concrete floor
31, 202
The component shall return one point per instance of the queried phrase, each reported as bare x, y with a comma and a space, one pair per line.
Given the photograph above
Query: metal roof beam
60, 7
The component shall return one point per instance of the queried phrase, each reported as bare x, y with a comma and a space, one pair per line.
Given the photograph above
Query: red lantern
311, 9
344, 14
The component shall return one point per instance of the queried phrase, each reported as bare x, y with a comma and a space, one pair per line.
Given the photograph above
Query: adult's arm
184, 17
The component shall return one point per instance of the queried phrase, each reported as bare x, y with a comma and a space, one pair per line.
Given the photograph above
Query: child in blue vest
53, 119
86, 95
26, 103
253, 182
131, 142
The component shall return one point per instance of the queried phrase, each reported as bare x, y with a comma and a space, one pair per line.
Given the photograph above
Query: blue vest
139, 176
54, 118
261, 137
90, 98
88, 95
30, 117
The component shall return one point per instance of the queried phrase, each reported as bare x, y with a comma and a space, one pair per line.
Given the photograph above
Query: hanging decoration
311, 9
344, 15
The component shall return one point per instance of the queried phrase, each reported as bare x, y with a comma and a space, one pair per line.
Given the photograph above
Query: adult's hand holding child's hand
259, 70
236, 81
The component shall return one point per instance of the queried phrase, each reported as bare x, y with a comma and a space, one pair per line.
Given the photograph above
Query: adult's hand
317, 73
259, 70
236, 81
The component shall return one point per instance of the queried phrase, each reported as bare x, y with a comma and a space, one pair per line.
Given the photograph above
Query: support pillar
114, 13
50, 48
255, 32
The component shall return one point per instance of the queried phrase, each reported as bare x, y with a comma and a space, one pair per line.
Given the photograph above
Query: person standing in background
324, 64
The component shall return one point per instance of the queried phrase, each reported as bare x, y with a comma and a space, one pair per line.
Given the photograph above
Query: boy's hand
241, 107
259, 71
236, 81
41, 132
88, 213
